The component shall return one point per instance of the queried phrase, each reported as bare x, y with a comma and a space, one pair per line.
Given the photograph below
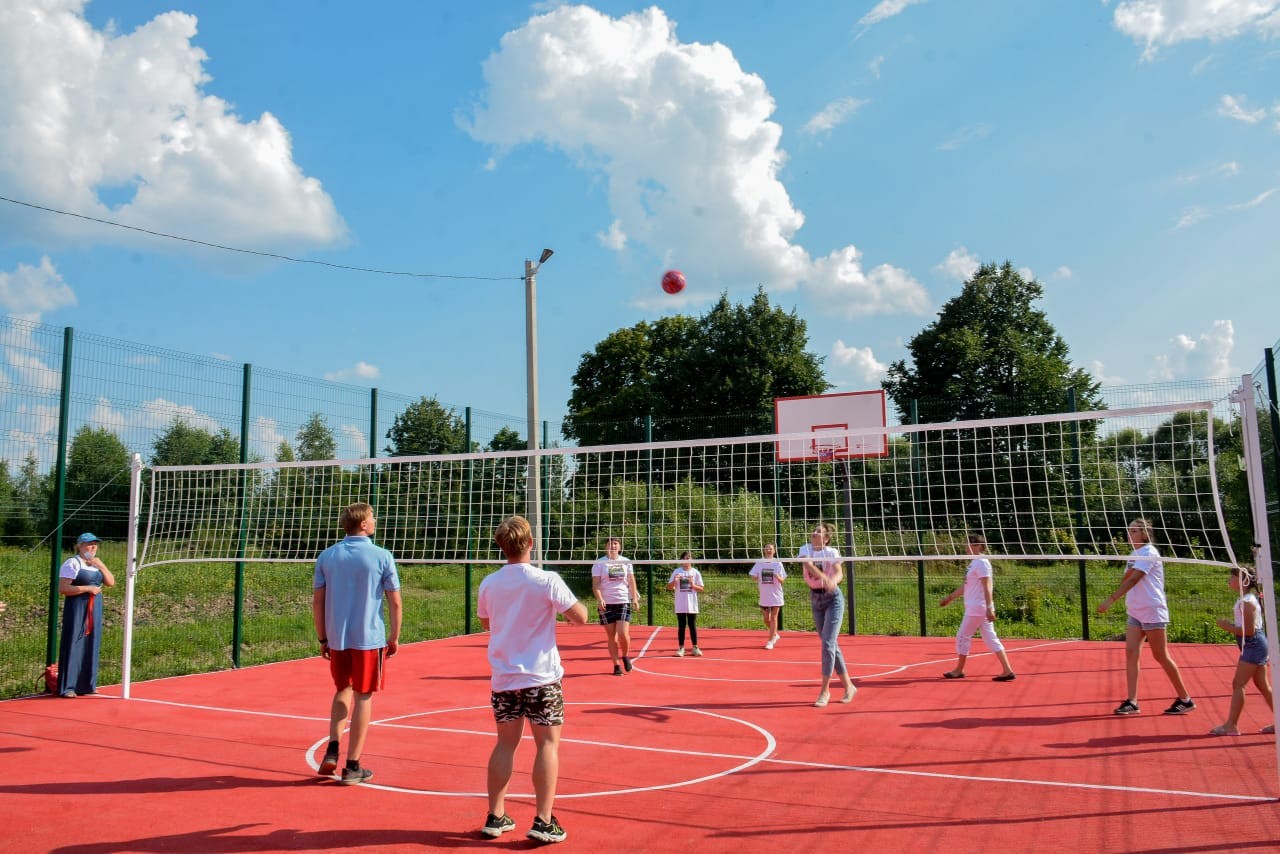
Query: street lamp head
546, 253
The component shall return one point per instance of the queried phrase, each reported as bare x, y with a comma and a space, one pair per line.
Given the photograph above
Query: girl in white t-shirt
613, 583
687, 584
769, 574
823, 572
1143, 590
1252, 666
979, 612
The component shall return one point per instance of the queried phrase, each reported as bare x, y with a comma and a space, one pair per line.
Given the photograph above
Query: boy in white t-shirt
769, 574
687, 584
979, 612
518, 605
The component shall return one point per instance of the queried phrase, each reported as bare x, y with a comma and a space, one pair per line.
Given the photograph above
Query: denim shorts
1254, 650
1146, 627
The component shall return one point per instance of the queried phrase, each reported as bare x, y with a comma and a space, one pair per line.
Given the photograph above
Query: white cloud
1160, 23
1232, 107
960, 264
874, 66
619, 95
1063, 272
615, 238
357, 439
1026, 273
158, 413
884, 10
1206, 356
1190, 216
859, 362
87, 112
31, 291
833, 114
358, 371
964, 136
1229, 169
1099, 372
1200, 66
1255, 201
265, 437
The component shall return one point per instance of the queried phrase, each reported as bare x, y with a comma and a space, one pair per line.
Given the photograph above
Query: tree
97, 493
182, 444
315, 440
426, 427
732, 361
989, 354
26, 517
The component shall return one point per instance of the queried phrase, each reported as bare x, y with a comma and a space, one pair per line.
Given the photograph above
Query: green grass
185, 612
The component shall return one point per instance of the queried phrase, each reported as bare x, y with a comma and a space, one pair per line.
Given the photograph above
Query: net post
59, 496
850, 546
648, 481
131, 570
242, 499
1273, 409
1078, 482
915, 489
1244, 397
466, 566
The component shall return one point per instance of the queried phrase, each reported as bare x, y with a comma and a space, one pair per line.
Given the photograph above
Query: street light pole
533, 487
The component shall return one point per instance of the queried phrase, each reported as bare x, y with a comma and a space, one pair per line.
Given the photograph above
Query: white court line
748, 760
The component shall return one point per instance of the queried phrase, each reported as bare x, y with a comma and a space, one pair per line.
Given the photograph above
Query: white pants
977, 623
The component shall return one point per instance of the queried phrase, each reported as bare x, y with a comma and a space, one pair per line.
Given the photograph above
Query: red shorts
358, 669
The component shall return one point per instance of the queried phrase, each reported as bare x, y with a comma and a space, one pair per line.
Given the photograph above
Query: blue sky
857, 159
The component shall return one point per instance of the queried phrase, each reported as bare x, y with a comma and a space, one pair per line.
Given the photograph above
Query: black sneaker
495, 827
626, 663
1128, 707
330, 762
547, 831
355, 776
1181, 707
617, 670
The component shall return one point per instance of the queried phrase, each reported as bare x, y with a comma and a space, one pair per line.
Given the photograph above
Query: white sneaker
697, 653
680, 652
775, 638
769, 644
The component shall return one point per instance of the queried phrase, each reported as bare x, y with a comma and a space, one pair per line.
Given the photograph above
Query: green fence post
1078, 500
471, 531
915, 489
59, 497
373, 448
648, 480
237, 626
1269, 357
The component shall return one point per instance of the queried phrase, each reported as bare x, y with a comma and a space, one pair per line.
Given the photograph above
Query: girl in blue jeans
823, 572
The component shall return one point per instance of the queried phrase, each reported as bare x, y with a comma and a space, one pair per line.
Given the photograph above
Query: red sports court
719, 753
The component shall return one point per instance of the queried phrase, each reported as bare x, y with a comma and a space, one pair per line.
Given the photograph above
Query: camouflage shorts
543, 705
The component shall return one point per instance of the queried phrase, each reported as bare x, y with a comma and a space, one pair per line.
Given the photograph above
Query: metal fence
75, 405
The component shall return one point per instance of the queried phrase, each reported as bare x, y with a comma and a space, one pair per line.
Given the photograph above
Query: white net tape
1046, 487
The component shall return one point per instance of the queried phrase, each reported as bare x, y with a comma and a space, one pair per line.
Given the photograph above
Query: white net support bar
1056, 487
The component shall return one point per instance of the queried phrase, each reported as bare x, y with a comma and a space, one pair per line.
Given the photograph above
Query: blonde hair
1145, 526
514, 536
826, 529
354, 515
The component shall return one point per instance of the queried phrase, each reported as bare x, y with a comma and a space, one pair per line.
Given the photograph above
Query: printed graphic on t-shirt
617, 570
766, 576
686, 583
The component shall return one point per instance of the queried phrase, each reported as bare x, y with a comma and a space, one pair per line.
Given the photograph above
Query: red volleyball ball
673, 281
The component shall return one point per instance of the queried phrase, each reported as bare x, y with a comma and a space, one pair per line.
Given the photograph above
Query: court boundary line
863, 769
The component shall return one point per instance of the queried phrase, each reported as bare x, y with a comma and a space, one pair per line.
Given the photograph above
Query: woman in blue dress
80, 581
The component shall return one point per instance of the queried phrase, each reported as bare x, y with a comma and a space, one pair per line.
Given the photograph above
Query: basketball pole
533, 485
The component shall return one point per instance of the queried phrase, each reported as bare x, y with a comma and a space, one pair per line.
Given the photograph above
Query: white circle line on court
764, 759
770, 745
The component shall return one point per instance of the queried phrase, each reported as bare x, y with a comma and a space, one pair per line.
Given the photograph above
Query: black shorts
615, 614
543, 705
